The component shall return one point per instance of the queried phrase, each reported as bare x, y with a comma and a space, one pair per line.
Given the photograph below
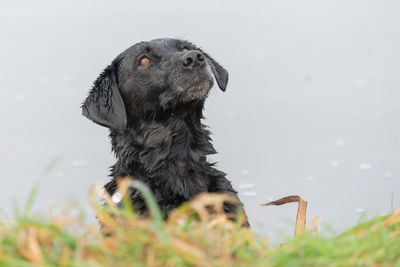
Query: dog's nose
193, 59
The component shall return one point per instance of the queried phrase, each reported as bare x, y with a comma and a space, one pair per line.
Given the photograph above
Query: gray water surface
311, 108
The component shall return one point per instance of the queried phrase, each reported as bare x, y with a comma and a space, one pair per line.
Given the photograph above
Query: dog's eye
144, 61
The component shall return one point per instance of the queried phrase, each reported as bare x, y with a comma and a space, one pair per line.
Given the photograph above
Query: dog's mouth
186, 87
196, 91
198, 87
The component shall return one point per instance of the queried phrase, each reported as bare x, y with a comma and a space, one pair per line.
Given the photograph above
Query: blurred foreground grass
190, 237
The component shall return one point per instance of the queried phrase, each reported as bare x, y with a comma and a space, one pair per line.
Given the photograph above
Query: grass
190, 237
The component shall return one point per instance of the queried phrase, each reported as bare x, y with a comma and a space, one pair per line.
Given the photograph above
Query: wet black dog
151, 98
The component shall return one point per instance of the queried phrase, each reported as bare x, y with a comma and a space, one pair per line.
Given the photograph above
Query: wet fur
154, 115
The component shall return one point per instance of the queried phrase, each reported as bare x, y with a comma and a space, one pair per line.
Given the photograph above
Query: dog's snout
193, 59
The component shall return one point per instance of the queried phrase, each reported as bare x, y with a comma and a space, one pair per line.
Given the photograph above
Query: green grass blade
150, 201
35, 189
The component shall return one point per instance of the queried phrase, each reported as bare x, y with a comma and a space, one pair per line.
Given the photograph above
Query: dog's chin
197, 91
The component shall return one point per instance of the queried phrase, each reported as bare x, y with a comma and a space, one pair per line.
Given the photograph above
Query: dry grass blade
123, 185
190, 253
301, 217
186, 240
205, 203
314, 225
392, 219
282, 201
179, 216
221, 222
29, 247
103, 194
104, 218
301, 211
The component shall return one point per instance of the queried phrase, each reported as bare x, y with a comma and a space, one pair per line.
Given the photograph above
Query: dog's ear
220, 74
104, 105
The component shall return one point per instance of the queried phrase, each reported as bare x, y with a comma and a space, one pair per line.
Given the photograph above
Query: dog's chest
180, 183
170, 159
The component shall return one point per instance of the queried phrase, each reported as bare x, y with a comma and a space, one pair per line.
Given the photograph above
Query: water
311, 108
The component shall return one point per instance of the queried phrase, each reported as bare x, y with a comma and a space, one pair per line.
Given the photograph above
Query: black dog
151, 98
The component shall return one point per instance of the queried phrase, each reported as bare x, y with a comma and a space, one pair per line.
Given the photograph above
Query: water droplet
245, 172
21, 96
310, 178
249, 193
360, 82
365, 166
387, 176
248, 185
79, 163
340, 142
117, 197
334, 163
231, 115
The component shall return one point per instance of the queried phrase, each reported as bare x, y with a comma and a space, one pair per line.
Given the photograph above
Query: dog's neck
162, 144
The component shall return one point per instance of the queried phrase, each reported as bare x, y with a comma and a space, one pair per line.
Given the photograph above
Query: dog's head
151, 78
